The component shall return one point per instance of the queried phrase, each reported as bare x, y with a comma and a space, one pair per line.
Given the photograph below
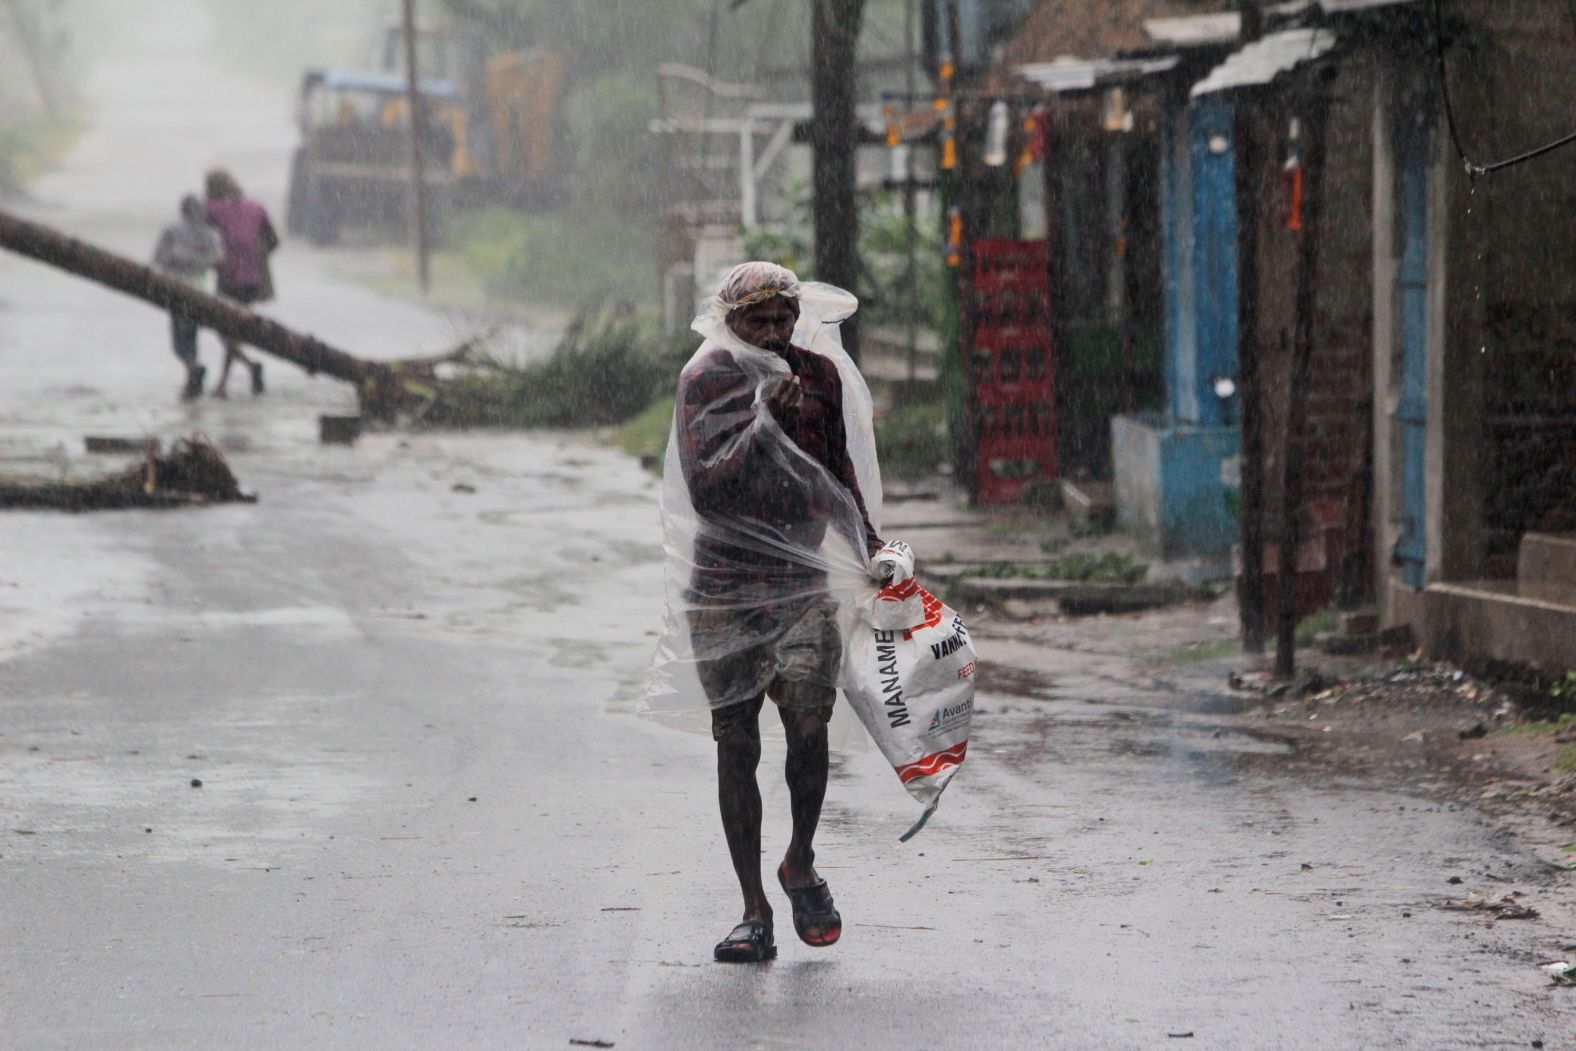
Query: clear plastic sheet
767, 549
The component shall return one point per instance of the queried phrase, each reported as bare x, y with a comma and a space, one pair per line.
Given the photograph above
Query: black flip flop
812, 907
749, 942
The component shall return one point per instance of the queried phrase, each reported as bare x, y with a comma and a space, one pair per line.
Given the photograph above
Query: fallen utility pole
380, 387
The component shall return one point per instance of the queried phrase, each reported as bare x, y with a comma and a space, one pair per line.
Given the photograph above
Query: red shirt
248, 238
742, 481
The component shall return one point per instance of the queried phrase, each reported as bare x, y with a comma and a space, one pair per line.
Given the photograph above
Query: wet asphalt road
429, 816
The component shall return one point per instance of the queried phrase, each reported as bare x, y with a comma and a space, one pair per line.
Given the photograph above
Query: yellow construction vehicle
490, 135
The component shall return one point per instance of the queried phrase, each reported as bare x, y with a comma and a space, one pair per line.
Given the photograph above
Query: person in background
244, 276
187, 249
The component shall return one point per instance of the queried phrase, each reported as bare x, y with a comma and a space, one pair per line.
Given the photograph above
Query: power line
1477, 171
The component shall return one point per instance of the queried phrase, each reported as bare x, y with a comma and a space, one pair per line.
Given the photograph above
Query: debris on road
100, 443
1560, 972
338, 430
590, 1043
193, 472
1506, 908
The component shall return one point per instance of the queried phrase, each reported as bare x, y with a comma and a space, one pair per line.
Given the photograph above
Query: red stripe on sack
932, 607
899, 591
933, 763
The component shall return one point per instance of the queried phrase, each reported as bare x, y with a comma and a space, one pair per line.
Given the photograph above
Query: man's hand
786, 398
893, 564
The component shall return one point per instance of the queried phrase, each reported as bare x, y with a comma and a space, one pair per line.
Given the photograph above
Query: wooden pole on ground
36, 241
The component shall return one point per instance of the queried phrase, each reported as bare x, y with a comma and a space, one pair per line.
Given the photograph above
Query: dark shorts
791, 651
183, 336
247, 294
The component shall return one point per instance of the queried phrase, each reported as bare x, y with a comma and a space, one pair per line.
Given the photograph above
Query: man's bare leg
806, 772
739, 797
232, 354
232, 351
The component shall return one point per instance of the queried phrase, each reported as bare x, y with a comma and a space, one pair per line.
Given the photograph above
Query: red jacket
248, 239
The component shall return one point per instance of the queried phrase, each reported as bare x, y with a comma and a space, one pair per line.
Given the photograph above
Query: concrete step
1496, 619
1341, 644
1076, 597
1355, 623
1090, 505
1547, 561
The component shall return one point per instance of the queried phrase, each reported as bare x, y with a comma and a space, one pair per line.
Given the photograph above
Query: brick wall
1339, 396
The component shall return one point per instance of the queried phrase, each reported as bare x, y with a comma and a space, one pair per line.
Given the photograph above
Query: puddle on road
1126, 724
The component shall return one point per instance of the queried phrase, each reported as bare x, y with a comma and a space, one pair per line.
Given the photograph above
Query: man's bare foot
815, 917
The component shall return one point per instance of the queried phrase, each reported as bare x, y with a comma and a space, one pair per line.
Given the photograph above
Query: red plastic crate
994, 259
1016, 447
1011, 369
1010, 302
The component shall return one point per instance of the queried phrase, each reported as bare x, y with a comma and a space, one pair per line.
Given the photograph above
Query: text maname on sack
913, 689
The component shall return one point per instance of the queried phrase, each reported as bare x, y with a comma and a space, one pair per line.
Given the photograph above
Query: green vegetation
646, 436
1111, 567
1316, 624
571, 257
911, 439
1565, 761
883, 240
511, 262
29, 149
1540, 727
1206, 651
607, 368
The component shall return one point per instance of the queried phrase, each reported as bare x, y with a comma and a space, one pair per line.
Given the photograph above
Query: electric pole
418, 183
834, 138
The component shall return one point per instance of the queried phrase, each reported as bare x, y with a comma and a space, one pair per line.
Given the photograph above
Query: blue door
1411, 416
1214, 248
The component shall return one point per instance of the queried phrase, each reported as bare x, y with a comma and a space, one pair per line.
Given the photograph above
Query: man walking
188, 248
773, 498
244, 275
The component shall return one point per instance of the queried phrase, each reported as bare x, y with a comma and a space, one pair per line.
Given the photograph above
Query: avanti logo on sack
948, 718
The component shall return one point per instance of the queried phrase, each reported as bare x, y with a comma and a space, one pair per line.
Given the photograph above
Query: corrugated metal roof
1265, 59
1195, 30
1222, 27
1072, 74
1338, 7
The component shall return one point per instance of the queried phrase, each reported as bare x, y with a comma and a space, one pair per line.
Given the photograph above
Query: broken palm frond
607, 368
192, 472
